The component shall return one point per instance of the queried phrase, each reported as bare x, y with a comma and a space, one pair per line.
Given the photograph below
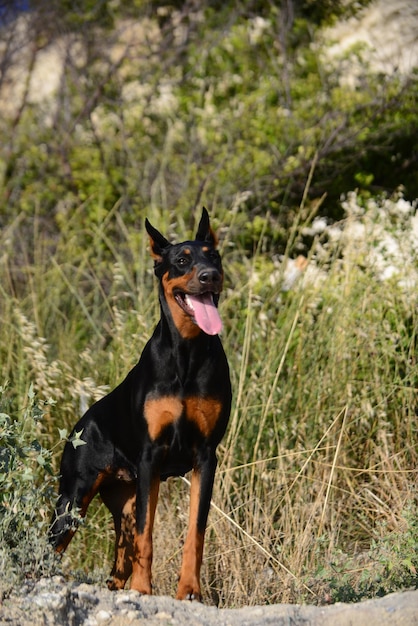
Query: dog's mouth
202, 309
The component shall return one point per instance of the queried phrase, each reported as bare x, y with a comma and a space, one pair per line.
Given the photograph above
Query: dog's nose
209, 277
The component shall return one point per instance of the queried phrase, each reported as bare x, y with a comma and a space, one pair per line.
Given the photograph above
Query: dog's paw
189, 593
114, 584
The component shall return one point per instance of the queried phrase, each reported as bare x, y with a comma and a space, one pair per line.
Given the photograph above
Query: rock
53, 602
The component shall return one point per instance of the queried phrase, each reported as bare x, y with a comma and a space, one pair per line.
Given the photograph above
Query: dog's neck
184, 353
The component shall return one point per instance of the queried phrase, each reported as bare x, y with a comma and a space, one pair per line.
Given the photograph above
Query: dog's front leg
200, 497
146, 501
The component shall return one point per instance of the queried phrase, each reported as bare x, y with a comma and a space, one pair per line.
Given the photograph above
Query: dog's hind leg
120, 499
81, 478
71, 507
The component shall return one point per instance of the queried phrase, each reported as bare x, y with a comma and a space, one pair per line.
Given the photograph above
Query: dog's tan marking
122, 568
184, 323
142, 549
204, 412
189, 582
87, 498
161, 412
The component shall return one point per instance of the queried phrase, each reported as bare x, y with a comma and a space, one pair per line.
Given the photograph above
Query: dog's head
191, 277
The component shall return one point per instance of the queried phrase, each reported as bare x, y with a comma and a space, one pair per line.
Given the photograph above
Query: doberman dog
166, 418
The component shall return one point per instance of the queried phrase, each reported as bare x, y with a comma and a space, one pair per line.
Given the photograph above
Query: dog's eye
182, 261
214, 256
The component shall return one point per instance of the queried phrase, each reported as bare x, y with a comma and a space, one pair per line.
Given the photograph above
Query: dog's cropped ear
157, 241
204, 231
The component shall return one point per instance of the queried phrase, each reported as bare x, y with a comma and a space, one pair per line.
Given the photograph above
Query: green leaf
4, 417
63, 432
76, 439
409, 565
78, 442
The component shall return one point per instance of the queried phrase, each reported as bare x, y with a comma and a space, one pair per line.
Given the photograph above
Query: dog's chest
169, 410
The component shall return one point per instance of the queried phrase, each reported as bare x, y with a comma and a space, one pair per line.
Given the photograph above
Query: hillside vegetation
115, 111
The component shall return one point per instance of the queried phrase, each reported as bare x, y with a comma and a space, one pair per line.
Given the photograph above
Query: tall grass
315, 497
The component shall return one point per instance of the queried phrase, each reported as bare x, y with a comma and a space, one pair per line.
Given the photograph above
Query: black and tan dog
166, 418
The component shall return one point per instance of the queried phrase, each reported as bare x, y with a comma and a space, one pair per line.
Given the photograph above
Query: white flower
414, 232
258, 25
404, 207
334, 233
354, 231
317, 227
350, 205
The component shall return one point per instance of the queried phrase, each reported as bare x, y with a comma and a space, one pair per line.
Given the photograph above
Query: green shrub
390, 564
26, 492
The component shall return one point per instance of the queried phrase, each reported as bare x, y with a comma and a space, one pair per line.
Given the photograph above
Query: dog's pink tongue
206, 314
